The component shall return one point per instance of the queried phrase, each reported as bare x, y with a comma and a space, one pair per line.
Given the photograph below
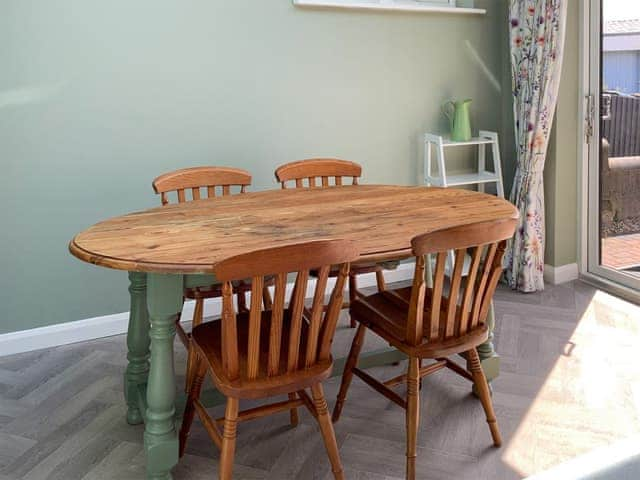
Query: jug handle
448, 109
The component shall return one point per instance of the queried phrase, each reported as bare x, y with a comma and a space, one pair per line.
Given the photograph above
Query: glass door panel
614, 213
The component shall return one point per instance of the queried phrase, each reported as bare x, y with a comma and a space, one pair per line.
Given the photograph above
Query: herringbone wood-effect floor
569, 383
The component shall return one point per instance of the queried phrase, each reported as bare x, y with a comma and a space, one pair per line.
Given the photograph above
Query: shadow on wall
484, 68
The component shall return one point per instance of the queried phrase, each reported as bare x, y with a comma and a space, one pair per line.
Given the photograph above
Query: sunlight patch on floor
591, 398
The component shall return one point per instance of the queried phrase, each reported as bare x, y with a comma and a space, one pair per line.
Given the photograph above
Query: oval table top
192, 237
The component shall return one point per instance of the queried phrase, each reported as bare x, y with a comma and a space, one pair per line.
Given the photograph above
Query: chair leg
413, 415
382, 286
347, 374
198, 316
266, 299
326, 428
182, 335
195, 386
293, 413
228, 450
198, 313
191, 371
242, 301
353, 289
482, 388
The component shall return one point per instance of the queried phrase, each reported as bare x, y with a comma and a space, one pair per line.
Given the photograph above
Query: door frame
608, 279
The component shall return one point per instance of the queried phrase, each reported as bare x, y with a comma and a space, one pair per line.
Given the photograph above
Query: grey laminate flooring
570, 382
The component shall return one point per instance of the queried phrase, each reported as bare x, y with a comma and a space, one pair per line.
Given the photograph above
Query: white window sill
388, 5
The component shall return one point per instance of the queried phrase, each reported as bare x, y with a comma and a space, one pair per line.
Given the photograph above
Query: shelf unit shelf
480, 177
467, 179
385, 5
447, 142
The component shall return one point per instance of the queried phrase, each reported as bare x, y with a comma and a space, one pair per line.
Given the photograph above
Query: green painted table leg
489, 359
137, 345
164, 301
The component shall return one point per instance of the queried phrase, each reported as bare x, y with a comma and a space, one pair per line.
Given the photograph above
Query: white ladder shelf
481, 177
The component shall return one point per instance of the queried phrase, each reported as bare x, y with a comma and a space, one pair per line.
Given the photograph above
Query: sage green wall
97, 97
561, 169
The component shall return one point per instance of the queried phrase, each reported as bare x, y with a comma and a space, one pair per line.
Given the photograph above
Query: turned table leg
160, 440
137, 346
489, 359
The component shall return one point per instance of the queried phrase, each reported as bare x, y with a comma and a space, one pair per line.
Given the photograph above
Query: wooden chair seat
356, 269
364, 267
361, 269
208, 339
386, 313
215, 290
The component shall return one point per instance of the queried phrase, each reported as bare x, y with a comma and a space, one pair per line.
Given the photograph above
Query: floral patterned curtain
537, 39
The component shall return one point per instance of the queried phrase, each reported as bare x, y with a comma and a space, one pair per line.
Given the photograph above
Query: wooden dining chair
261, 354
194, 184
426, 323
323, 173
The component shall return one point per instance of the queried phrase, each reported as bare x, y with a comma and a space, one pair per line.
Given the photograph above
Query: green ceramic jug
458, 114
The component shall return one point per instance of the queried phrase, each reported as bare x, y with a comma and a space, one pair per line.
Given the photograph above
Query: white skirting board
560, 274
116, 324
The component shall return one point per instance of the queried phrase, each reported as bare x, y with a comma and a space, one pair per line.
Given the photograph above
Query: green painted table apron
150, 385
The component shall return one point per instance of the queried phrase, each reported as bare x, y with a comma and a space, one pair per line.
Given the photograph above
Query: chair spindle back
318, 172
201, 182
283, 340
465, 306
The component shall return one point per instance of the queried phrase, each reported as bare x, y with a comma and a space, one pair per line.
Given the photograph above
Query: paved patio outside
622, 251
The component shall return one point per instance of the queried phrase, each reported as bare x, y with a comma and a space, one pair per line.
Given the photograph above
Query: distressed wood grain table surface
162, 248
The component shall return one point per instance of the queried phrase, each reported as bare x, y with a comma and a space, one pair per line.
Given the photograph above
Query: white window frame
418, 6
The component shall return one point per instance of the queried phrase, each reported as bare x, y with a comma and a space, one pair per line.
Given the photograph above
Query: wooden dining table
167, 247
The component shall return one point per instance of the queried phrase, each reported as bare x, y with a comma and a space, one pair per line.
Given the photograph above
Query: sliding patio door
613, 135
